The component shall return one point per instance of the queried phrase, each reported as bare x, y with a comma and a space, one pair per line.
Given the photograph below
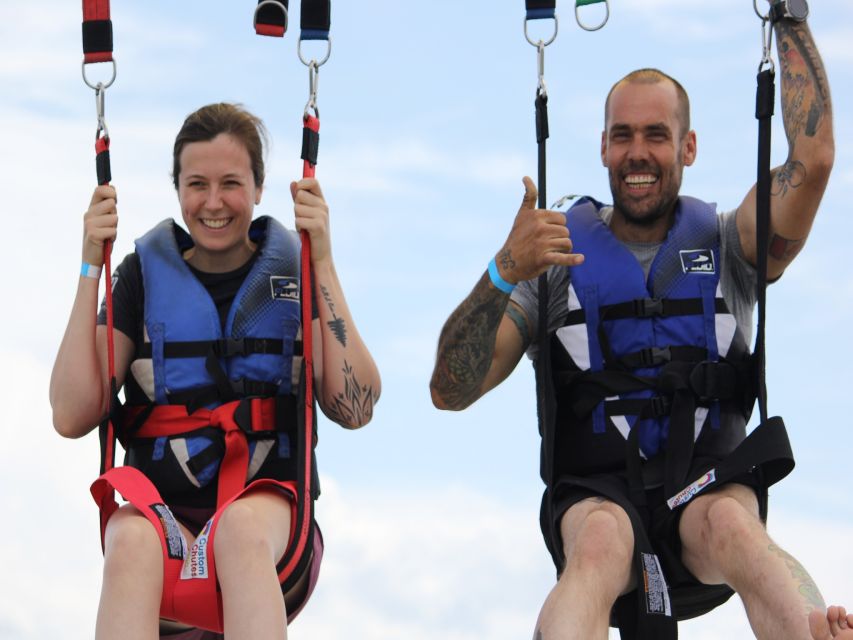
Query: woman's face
217, 194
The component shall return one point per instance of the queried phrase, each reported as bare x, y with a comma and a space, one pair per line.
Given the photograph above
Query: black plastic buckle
228, 347
660, 406
648, 307
655, 356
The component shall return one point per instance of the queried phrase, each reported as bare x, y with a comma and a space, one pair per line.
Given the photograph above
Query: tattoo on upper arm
354, 405
791, 175
467, 345
783, 249
808, 590
520, 321
805, 93
336, 324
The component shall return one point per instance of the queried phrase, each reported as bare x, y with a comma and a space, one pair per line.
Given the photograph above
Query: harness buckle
714, 381
228, 347
648, 307
655, 356
660, 406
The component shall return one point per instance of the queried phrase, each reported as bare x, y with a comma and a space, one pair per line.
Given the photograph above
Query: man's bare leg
724, 541
598, 543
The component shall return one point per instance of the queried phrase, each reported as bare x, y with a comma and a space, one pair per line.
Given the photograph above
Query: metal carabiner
313, 82
586, 27
758, 13
100, 92
541, 89
766, 46
544, 43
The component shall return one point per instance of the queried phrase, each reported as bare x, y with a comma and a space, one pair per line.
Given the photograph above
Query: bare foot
834, 623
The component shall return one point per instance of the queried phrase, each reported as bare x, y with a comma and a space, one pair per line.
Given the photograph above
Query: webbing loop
588, 27
271, 18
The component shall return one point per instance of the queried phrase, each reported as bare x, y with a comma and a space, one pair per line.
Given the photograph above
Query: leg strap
190, 588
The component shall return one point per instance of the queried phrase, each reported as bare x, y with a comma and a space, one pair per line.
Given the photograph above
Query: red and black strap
271, 18
97, 31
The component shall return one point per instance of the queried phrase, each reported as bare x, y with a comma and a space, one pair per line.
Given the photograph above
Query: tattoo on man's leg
813, 600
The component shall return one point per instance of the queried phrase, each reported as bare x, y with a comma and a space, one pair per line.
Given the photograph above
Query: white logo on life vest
697, 261
284, 288
195, 564
686, 494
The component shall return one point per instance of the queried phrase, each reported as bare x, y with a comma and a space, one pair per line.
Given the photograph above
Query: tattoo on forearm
783, 249
506, 260
812, 600
520, 321
791, 175
805, 90
354, 405
336, 324
467, 345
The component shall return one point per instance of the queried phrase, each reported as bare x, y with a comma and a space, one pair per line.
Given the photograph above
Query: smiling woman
208, 347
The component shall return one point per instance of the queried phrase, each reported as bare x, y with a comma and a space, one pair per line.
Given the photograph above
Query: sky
430, 518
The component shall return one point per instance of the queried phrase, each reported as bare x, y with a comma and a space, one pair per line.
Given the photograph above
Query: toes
819, 625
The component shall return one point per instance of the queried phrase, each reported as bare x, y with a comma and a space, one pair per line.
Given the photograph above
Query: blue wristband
496, 279
90, 271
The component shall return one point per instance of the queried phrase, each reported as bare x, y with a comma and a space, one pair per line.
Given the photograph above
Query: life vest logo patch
698, 261
196, 562
284, 288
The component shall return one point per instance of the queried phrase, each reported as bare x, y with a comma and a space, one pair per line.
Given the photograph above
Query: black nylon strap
764, 103
310, 145
224, 348
315, 15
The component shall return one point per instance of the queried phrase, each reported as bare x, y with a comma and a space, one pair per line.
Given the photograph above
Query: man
605, 515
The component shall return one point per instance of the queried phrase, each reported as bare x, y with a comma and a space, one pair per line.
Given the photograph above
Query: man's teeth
218, 223
641, 180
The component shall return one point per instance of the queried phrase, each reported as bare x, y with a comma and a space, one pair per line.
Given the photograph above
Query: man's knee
731, 525
598, 539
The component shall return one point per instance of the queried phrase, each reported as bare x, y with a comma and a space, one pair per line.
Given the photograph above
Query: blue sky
427, 128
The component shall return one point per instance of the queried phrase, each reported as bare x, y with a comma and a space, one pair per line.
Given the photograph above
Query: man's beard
645, 213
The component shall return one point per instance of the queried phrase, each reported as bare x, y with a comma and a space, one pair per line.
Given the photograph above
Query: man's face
645, 150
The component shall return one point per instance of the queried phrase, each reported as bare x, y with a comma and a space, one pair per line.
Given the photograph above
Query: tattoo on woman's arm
354, 405
467, 345
336, 324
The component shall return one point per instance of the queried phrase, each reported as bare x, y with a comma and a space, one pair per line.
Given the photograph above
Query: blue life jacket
629, 342
188, 359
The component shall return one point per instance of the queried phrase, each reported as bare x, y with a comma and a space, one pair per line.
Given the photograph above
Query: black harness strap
315, 20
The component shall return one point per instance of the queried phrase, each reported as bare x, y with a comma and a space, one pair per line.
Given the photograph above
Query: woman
221, 286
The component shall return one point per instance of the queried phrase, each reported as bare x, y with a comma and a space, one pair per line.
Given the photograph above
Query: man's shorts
662, 531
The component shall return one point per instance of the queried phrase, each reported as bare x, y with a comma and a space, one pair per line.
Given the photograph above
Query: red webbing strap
271, 18
97, 31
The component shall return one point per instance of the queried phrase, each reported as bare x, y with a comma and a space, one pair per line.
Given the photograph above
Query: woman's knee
131, 543
258, 528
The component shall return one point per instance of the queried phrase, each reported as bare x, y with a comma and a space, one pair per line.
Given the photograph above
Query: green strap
583, 3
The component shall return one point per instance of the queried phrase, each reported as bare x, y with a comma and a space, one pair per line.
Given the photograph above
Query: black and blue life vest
190, 359
632, 344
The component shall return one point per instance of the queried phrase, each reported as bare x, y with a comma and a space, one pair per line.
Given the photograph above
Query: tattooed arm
799, 184
346, 378
485, 337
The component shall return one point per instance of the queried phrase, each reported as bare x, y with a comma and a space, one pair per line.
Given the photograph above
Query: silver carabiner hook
587, 27
766, 46
100, 92
313, 82
541, 89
